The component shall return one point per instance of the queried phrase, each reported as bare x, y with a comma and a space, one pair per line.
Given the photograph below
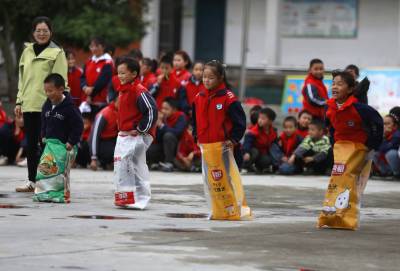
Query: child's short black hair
346, 77
56, 79
254, 111
110, 49
394, 113
152, 63
172, 102
69, 53
167, 59
99, 41
136, 54
269, 113
318, 123
354, 68
290, 119
302, 112
315, 61
131, 64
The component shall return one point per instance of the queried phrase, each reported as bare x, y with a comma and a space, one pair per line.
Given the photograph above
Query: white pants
131, 173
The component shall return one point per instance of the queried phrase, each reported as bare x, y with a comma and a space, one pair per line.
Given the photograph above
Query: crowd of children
304, 144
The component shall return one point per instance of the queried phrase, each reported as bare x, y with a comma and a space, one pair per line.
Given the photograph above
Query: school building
283, 34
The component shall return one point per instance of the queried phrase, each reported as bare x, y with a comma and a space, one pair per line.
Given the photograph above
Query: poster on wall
292, 100
384, 90
319, 18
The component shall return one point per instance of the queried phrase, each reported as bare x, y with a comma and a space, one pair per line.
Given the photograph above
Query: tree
75, 21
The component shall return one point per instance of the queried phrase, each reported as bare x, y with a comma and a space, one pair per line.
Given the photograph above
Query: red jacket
289, 143
218, 116
302, 132
355, 122
258, 138
187, 145
148, 80
167, 88
182, 75
110, 116
137, 109
3, 117
188, 93
97, 73
315, 96
74, 83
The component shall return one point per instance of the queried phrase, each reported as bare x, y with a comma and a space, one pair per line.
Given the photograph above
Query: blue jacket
63, 122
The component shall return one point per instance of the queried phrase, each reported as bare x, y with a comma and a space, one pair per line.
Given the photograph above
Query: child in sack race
137, 115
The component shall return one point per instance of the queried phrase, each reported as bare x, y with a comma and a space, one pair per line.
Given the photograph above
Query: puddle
13, 195
106, 217
10, 206
180, 230
183, 215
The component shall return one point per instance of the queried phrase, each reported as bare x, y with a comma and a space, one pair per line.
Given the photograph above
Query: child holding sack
219, 124
62, 127
137, 115
357, 129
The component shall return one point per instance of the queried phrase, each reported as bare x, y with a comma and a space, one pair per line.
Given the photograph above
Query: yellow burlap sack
350, 173
222, 183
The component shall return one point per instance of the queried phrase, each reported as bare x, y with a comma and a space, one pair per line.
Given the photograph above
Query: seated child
103, 136
304, 120
188, 157
83, 155
260, 147
170, 127
11, 136
289, 140
313, 152
387, 159
314, 91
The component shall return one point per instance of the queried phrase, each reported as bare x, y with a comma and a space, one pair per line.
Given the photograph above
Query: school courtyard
173, 233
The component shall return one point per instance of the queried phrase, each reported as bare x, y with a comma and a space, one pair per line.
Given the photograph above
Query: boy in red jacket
170, 127
167, 84
261, 150
137, 115
314, 91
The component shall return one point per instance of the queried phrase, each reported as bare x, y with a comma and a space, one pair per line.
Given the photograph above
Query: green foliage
76, 21
89, 22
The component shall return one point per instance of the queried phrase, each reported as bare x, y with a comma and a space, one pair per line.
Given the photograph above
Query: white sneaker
3, 161
27, 187
23, 163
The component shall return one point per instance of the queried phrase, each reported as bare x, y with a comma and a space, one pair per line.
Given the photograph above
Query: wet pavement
174, 233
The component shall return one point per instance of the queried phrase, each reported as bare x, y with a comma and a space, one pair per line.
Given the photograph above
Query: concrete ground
40, 236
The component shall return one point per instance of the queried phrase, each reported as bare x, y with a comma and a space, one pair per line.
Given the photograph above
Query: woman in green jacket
38, 60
